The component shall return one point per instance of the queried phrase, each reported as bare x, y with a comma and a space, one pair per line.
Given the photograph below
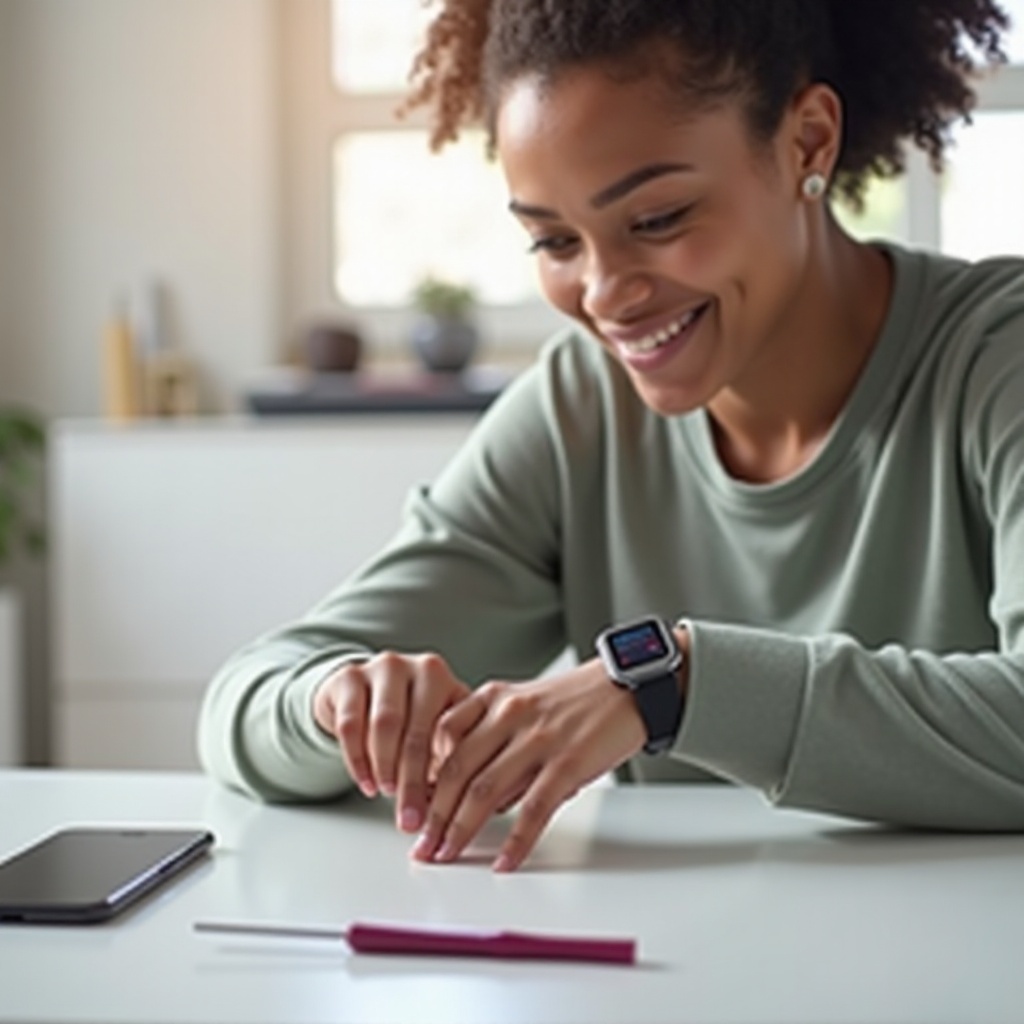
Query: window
971, 210
400, 212
403, 212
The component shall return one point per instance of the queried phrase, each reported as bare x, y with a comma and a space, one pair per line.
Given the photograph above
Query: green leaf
22, 444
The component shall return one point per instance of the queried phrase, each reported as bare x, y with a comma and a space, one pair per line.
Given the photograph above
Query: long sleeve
895, 732
857, 628
473, 574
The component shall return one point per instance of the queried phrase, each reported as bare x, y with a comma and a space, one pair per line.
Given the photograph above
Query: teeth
660, 337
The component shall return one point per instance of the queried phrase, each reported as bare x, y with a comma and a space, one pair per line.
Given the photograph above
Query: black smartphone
88, 875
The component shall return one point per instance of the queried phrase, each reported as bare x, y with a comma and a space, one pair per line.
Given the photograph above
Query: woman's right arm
468, 589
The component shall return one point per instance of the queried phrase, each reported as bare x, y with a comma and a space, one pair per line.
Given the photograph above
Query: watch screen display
637, 645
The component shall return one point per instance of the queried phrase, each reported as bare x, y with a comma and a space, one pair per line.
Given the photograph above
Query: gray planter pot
444, 344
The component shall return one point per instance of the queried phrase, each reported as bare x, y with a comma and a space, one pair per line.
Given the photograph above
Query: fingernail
367, 787
410, 819
388, 788
420, 847
447, 851
503, 863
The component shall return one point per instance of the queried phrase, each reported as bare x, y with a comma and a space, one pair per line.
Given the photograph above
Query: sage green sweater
857, 629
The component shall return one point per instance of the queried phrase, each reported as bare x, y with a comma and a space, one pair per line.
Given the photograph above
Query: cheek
747, 223
560, 285
741, 260
705, 259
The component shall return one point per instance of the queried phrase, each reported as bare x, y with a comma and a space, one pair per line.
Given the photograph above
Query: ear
815, 123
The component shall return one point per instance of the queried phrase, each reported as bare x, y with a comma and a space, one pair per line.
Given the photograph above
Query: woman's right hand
382, 712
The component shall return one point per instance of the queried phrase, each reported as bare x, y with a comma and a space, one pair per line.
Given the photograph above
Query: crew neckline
875, 388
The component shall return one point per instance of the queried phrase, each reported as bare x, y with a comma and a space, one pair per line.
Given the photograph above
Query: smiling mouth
663, 335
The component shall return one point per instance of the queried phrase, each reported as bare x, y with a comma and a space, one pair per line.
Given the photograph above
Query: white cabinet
176, 543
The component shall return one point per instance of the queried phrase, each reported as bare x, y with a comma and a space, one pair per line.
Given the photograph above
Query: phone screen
82, 875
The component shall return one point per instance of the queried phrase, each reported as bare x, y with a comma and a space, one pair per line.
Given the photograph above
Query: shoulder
957, 319
577, 370
571, 392
546, 417
555, 429
982, 307
972, 347
960, 301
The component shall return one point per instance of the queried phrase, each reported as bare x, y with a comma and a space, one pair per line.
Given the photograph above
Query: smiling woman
790, 461
674, 240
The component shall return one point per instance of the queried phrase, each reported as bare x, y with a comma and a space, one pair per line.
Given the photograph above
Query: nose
612, 287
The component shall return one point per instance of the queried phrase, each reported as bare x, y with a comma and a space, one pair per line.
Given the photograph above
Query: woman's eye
662, 222
553, 245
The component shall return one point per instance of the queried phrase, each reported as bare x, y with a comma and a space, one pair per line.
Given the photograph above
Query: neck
773, 421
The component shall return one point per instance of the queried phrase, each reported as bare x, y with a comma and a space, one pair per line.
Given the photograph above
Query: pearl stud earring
813, 186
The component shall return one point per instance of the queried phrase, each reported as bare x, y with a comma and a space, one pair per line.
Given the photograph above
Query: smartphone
88, 875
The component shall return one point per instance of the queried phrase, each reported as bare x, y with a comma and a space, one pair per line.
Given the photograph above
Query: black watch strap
660, 703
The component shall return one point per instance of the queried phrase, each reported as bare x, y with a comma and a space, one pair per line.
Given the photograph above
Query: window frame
1001, 90
314, 113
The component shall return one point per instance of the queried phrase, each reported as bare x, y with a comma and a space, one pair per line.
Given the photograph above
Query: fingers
340, 707
383, 712
542, 799
457, 758
536, 743
491, 760
426, 701
408, 727
391, 680
516, 795
478, 785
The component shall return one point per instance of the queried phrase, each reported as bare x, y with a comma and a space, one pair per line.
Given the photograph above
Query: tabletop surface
742, 912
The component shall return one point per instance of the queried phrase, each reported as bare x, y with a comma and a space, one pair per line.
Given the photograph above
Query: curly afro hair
903, 68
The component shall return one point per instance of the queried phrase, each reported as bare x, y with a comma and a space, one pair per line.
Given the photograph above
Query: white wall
142, 141
6, 198
137, 138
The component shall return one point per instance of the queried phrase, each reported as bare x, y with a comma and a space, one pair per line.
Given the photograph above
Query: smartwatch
644, 658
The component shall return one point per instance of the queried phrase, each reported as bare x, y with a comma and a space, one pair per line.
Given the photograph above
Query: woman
803, 453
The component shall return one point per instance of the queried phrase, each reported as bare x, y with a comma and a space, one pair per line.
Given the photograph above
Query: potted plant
22, 439
21, 444
444, 335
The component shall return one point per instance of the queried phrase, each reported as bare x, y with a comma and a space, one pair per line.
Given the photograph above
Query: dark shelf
295, 393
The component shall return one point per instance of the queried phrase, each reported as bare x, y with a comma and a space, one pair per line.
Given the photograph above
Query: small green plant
444, 299
22, 440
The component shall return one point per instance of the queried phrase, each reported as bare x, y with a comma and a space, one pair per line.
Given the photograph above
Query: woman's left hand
536, 742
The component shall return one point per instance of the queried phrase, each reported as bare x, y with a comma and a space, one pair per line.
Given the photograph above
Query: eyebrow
608, 195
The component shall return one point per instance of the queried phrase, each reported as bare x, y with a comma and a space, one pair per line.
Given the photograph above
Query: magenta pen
428, 940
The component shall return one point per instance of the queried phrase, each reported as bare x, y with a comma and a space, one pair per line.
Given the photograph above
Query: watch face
637, 645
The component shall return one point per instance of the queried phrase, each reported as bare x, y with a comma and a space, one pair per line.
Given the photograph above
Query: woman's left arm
895, 734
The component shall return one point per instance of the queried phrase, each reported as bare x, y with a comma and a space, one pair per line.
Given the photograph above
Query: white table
743, 914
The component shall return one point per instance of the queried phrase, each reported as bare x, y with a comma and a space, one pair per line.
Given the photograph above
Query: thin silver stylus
271, 929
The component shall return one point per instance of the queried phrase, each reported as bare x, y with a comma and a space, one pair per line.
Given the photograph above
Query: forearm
891, 735
257, 728
257, 732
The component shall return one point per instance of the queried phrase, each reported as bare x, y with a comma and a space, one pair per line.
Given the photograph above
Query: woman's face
672, 239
